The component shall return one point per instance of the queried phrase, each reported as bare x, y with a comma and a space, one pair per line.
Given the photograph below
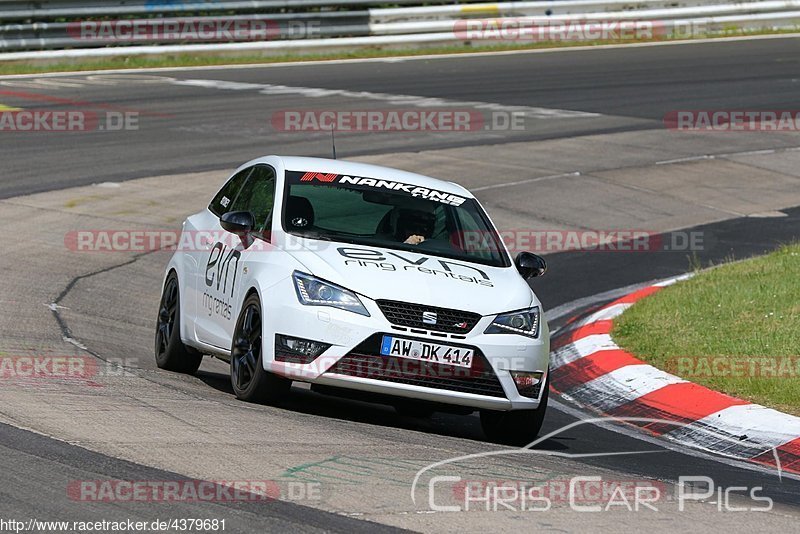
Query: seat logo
429, 317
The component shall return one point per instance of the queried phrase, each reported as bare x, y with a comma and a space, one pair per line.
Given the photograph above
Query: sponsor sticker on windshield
363, 183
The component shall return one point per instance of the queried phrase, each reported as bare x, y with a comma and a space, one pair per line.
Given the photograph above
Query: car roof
352, 168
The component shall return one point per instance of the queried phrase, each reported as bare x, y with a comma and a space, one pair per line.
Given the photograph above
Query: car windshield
389, 214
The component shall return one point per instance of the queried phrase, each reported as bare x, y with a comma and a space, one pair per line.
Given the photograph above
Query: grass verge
211, 59
735, 329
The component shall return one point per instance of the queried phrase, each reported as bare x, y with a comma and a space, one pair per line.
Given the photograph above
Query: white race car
360, 280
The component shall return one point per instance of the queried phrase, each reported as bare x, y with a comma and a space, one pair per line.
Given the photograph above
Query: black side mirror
240, 223
530, 265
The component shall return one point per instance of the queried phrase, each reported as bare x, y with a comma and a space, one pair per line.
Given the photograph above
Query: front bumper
353, 360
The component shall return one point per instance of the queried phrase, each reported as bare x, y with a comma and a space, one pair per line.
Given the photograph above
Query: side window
223, 201
258, 196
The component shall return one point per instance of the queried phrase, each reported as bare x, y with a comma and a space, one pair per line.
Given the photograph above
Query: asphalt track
40, 495
193, 128
188, 128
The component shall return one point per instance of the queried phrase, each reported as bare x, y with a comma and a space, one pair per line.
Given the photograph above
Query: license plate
424, 351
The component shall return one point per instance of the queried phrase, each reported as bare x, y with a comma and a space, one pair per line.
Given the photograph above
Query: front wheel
518, 427
171, 353
250, 381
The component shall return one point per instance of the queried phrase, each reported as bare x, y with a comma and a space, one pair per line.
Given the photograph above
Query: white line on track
663, 162
397, 100
528, 181
729, 155
684, 160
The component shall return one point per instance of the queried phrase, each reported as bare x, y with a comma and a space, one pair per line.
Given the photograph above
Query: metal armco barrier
75, 28
48, 10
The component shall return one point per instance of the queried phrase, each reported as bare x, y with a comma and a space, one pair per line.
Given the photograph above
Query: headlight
312, 291
522, 322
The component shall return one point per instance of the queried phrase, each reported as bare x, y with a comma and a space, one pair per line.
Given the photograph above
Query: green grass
745, 313
210, 59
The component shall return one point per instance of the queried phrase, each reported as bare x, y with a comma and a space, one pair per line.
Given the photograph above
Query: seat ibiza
363, 281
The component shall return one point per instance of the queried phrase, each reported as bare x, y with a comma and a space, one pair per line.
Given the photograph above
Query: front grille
410, 315
365, 361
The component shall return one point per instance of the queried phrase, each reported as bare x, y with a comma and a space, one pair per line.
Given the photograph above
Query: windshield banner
358, 182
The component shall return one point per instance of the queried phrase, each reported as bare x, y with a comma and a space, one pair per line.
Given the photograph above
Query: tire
413, 409
250, 381
171, 354
518, 427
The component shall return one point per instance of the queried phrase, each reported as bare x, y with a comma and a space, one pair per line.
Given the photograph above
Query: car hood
379, 273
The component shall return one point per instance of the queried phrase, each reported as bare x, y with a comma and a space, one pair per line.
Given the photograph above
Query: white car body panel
209, 311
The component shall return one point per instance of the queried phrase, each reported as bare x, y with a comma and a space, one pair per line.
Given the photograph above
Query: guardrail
75, 28
42, 10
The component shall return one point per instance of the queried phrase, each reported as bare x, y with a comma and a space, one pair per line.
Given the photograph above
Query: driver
414, 225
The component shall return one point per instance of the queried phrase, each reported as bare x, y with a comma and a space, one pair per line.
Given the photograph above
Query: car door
227, 259
208, 235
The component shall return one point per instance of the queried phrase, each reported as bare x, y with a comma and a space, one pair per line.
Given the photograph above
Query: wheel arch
252, 291
176, 266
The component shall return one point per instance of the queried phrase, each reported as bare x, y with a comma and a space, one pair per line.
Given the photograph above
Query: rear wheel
171, 353
518, 427
250, 381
